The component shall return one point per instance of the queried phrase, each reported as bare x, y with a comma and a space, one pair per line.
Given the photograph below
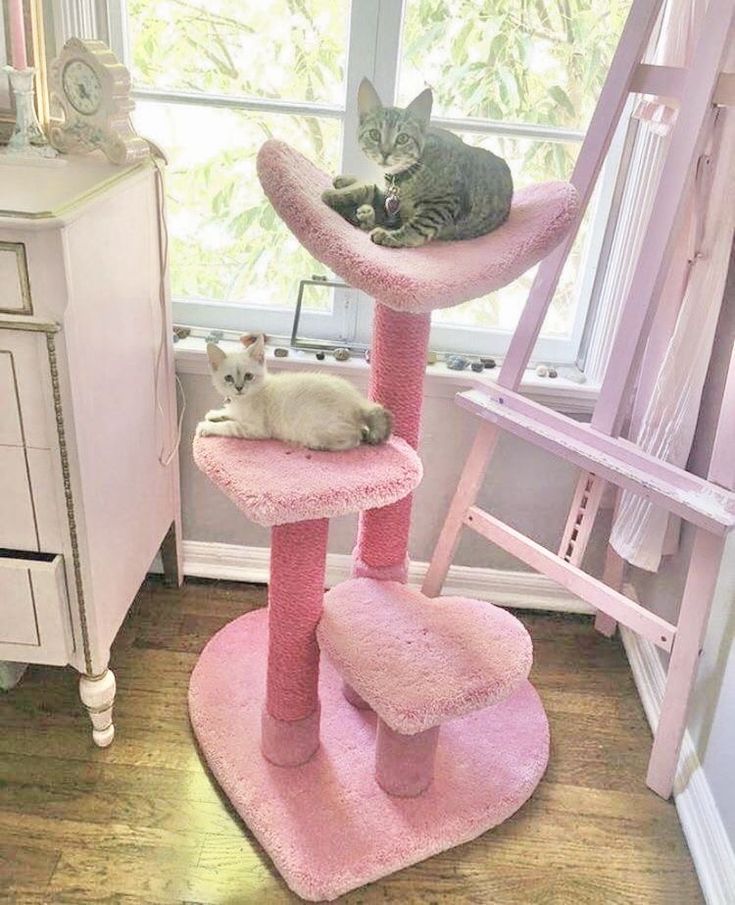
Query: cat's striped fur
445, 189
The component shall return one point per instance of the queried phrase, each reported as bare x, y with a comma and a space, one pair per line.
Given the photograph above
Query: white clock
90, 103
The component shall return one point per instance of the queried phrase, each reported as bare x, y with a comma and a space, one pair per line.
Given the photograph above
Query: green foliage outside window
534, 61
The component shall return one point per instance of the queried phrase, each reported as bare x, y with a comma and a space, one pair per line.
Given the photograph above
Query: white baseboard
713, 856
523, 590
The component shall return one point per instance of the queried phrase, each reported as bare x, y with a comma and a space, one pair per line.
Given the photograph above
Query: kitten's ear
256, 350
247, 339
215, 355
420, 106
367, 98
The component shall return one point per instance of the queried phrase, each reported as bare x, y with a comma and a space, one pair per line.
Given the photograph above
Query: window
213, 80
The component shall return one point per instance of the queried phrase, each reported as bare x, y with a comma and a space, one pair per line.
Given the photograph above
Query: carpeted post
290, 725
397, 368
404, 764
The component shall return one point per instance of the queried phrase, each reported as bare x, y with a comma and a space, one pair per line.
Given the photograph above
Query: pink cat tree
418, 729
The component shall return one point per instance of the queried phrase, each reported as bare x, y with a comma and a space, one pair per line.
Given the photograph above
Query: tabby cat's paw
365, 215
341, 182
331, 197
385, 237
205, 429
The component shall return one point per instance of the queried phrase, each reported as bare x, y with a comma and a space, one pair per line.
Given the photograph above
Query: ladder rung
668, 81
662, 80
614, 459
594, 591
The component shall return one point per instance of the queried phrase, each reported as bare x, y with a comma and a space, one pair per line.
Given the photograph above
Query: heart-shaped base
327, 825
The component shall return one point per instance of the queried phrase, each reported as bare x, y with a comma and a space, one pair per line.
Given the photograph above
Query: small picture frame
298, 342
36, 53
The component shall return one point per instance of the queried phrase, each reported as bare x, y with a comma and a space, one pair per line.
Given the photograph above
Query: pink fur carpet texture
439, 658
276, 484
455, 738
437, 275
327, 825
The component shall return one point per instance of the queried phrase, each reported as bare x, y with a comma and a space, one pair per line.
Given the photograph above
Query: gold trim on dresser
28, 324
69, 498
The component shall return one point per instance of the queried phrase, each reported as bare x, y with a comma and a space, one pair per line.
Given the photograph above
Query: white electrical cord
159, 160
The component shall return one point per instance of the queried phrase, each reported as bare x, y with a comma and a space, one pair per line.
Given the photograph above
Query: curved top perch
437, 275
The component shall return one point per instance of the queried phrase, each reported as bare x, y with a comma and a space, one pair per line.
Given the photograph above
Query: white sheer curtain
673, 373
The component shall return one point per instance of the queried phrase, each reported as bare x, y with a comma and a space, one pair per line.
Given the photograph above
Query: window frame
375, 32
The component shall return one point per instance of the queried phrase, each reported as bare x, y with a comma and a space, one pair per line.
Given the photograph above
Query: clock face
82, 87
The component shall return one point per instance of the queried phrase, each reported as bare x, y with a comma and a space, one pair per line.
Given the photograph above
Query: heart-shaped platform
419, 661
275, 483
327, 825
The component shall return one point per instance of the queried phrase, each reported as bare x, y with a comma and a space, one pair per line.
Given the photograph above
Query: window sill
561, 393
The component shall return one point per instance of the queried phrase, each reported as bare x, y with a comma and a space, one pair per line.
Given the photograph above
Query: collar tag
392, 202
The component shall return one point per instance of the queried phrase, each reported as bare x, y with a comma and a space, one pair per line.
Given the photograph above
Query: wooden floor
142, 822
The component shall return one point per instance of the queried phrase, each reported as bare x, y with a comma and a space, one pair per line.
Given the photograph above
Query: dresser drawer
24, 385
15, 294
29, 516
35, 626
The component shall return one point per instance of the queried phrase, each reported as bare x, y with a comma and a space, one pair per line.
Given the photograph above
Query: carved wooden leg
98, 694
173, 572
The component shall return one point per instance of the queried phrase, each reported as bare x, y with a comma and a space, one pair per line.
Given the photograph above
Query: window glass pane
226, 241
541, 62
284, 49
530, 161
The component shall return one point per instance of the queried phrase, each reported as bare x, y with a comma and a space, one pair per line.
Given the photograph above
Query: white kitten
313, 410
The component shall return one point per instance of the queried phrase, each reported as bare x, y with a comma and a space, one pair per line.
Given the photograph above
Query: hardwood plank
24, 865
144, 822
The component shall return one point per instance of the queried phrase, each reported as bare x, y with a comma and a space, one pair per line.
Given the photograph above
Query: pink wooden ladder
597, 449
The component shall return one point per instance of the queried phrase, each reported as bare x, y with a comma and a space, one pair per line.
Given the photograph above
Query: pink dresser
89, 485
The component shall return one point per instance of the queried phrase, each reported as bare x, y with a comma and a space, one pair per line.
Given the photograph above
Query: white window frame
375, 30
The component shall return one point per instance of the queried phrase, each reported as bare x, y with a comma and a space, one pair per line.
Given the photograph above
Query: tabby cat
436, 186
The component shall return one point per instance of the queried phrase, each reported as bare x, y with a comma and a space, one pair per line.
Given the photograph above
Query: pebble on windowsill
457, 362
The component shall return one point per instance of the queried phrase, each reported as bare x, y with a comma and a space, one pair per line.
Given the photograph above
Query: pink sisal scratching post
290, 726
295, 491
397, 367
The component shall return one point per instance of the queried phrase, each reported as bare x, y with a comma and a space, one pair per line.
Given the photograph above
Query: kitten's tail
377, 424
